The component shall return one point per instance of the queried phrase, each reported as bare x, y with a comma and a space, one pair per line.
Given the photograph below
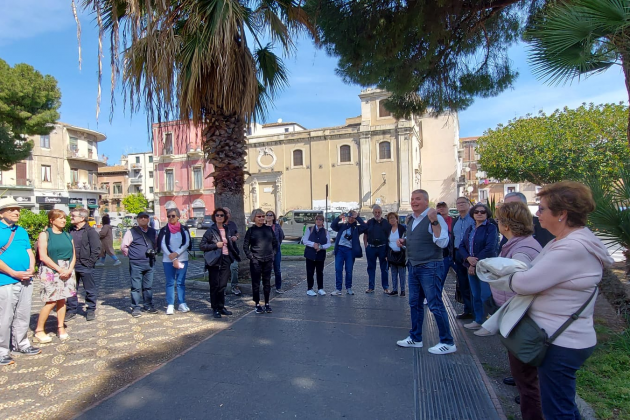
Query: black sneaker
393, 293
259, 309
6, 360
151, 310
217, 314
225, 312
402, 293
136, 313
70, 315
465, 315
509, 380
91, 316
268, 309
29, 351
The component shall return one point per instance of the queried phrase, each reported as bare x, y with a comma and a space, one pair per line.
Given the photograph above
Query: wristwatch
435, 223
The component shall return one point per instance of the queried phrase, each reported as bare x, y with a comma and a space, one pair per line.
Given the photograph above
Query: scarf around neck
176, 228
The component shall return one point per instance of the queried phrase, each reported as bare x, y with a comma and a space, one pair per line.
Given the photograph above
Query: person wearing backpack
56, 253
87, 245
174, 241
17, 264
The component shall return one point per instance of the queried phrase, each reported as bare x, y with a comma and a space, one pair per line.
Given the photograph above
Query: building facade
480, 188
181, 173
114, 184
372, 159
141, 175
61, 172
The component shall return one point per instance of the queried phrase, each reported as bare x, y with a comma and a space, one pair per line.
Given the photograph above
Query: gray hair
252, 217
173, 209
520, 196
376, 207
81, 212
423, 192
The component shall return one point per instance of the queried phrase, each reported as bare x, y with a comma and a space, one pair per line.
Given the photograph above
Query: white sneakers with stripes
441, 348
408, 342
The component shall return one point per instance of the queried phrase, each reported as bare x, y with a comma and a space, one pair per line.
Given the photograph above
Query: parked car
91, 221
295, 222
206, 222
453, 212
194, 223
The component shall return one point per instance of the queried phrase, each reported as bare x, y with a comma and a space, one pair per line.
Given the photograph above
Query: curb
586, 411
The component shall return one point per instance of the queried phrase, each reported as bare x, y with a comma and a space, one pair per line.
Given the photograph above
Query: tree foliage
36, 223
135, 203
432, 55
564, 145
28, 106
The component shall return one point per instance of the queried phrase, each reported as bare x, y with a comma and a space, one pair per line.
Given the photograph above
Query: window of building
384, 150
91, 178
483, 195
170, 181
44, 142
151, 190
92, 150
168, 144
345, 153
151, 174
382, 112
46, 173
137, 159
298, 158
74, 144
286, 130
151, 159
118, 188
74, 176
197, 178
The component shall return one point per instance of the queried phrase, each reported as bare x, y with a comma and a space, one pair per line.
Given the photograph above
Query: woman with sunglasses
218, 237
260, 246
174, 241
270, 220
480, 241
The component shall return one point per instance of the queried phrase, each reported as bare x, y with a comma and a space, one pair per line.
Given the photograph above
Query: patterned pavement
104, 355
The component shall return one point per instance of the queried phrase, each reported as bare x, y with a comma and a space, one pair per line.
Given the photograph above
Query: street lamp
384, 175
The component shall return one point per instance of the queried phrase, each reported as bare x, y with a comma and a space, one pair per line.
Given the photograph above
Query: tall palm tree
204, 61
580, 38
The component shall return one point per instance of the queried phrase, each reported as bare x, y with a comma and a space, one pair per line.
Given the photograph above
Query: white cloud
29, 18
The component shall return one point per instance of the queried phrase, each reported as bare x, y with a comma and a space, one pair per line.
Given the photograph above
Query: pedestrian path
313, 358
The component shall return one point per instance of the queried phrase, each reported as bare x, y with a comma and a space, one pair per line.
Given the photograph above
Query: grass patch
296, 250
603, 381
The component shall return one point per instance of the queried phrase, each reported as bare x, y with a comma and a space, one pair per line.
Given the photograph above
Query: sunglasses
480, 212
260, 215
269, 215
219, 215
172, 216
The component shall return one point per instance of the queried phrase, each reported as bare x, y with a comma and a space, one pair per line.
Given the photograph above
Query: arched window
345, 154
298, 158
384, 150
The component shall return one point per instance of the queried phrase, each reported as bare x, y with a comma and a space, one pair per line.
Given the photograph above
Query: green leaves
135, 203
28, 106
564, 145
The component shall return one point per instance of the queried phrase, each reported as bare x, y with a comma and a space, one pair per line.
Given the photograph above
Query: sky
43, 33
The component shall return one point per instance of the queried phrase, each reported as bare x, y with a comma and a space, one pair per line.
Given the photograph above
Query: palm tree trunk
225, 148
625, 65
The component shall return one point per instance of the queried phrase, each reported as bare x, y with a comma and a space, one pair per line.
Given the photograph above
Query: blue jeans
371, 254
277, 272
425, 282
172, 276
141, 283
447, 266
343, 256
398, 272
113, 257
556, 376
480, 291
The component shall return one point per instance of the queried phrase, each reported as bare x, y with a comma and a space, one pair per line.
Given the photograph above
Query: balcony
74, 154
192, 151
136, 166
26, 185
116, 195
85, 187
135, 181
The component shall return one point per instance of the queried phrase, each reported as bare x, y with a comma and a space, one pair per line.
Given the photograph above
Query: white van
295, 222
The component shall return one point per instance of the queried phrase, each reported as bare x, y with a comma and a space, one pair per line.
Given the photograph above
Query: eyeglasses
219, 215
480, 212
260, 215
172, 216
269, 215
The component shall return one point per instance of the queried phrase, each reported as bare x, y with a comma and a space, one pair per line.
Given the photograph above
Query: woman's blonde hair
517, 217
55, 214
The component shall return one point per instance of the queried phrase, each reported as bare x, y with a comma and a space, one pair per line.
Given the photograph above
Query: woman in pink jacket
563, 277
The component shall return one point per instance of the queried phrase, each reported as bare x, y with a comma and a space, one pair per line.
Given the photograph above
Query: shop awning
72, 205
92, 206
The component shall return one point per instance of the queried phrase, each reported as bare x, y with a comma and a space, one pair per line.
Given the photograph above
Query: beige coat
107, 241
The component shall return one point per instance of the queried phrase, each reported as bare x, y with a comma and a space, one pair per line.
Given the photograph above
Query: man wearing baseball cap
17, 263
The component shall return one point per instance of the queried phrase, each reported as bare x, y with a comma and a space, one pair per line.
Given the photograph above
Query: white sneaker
482, 332
170, 309
349, 291
183, 308
311, 293
336, 293
408, 342
472, 326
441, 348
99, 264
321, 292
117, 262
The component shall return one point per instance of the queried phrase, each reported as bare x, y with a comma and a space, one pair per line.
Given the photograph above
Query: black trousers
83, 274
311, 267
218, 276
464, 285
258, 270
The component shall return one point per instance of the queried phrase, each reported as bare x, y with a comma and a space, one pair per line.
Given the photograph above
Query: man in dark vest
140, 245
316, 241
375, 241
427, 236
87, 244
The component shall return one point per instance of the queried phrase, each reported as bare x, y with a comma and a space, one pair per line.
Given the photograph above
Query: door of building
20, 173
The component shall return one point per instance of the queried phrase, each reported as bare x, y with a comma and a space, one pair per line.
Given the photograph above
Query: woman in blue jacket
347, 248
480, 241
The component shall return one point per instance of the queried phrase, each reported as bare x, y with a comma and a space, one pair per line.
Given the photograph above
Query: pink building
180, 171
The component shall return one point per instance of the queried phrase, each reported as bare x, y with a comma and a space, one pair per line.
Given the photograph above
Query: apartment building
61, 172
141, 175
114, 184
